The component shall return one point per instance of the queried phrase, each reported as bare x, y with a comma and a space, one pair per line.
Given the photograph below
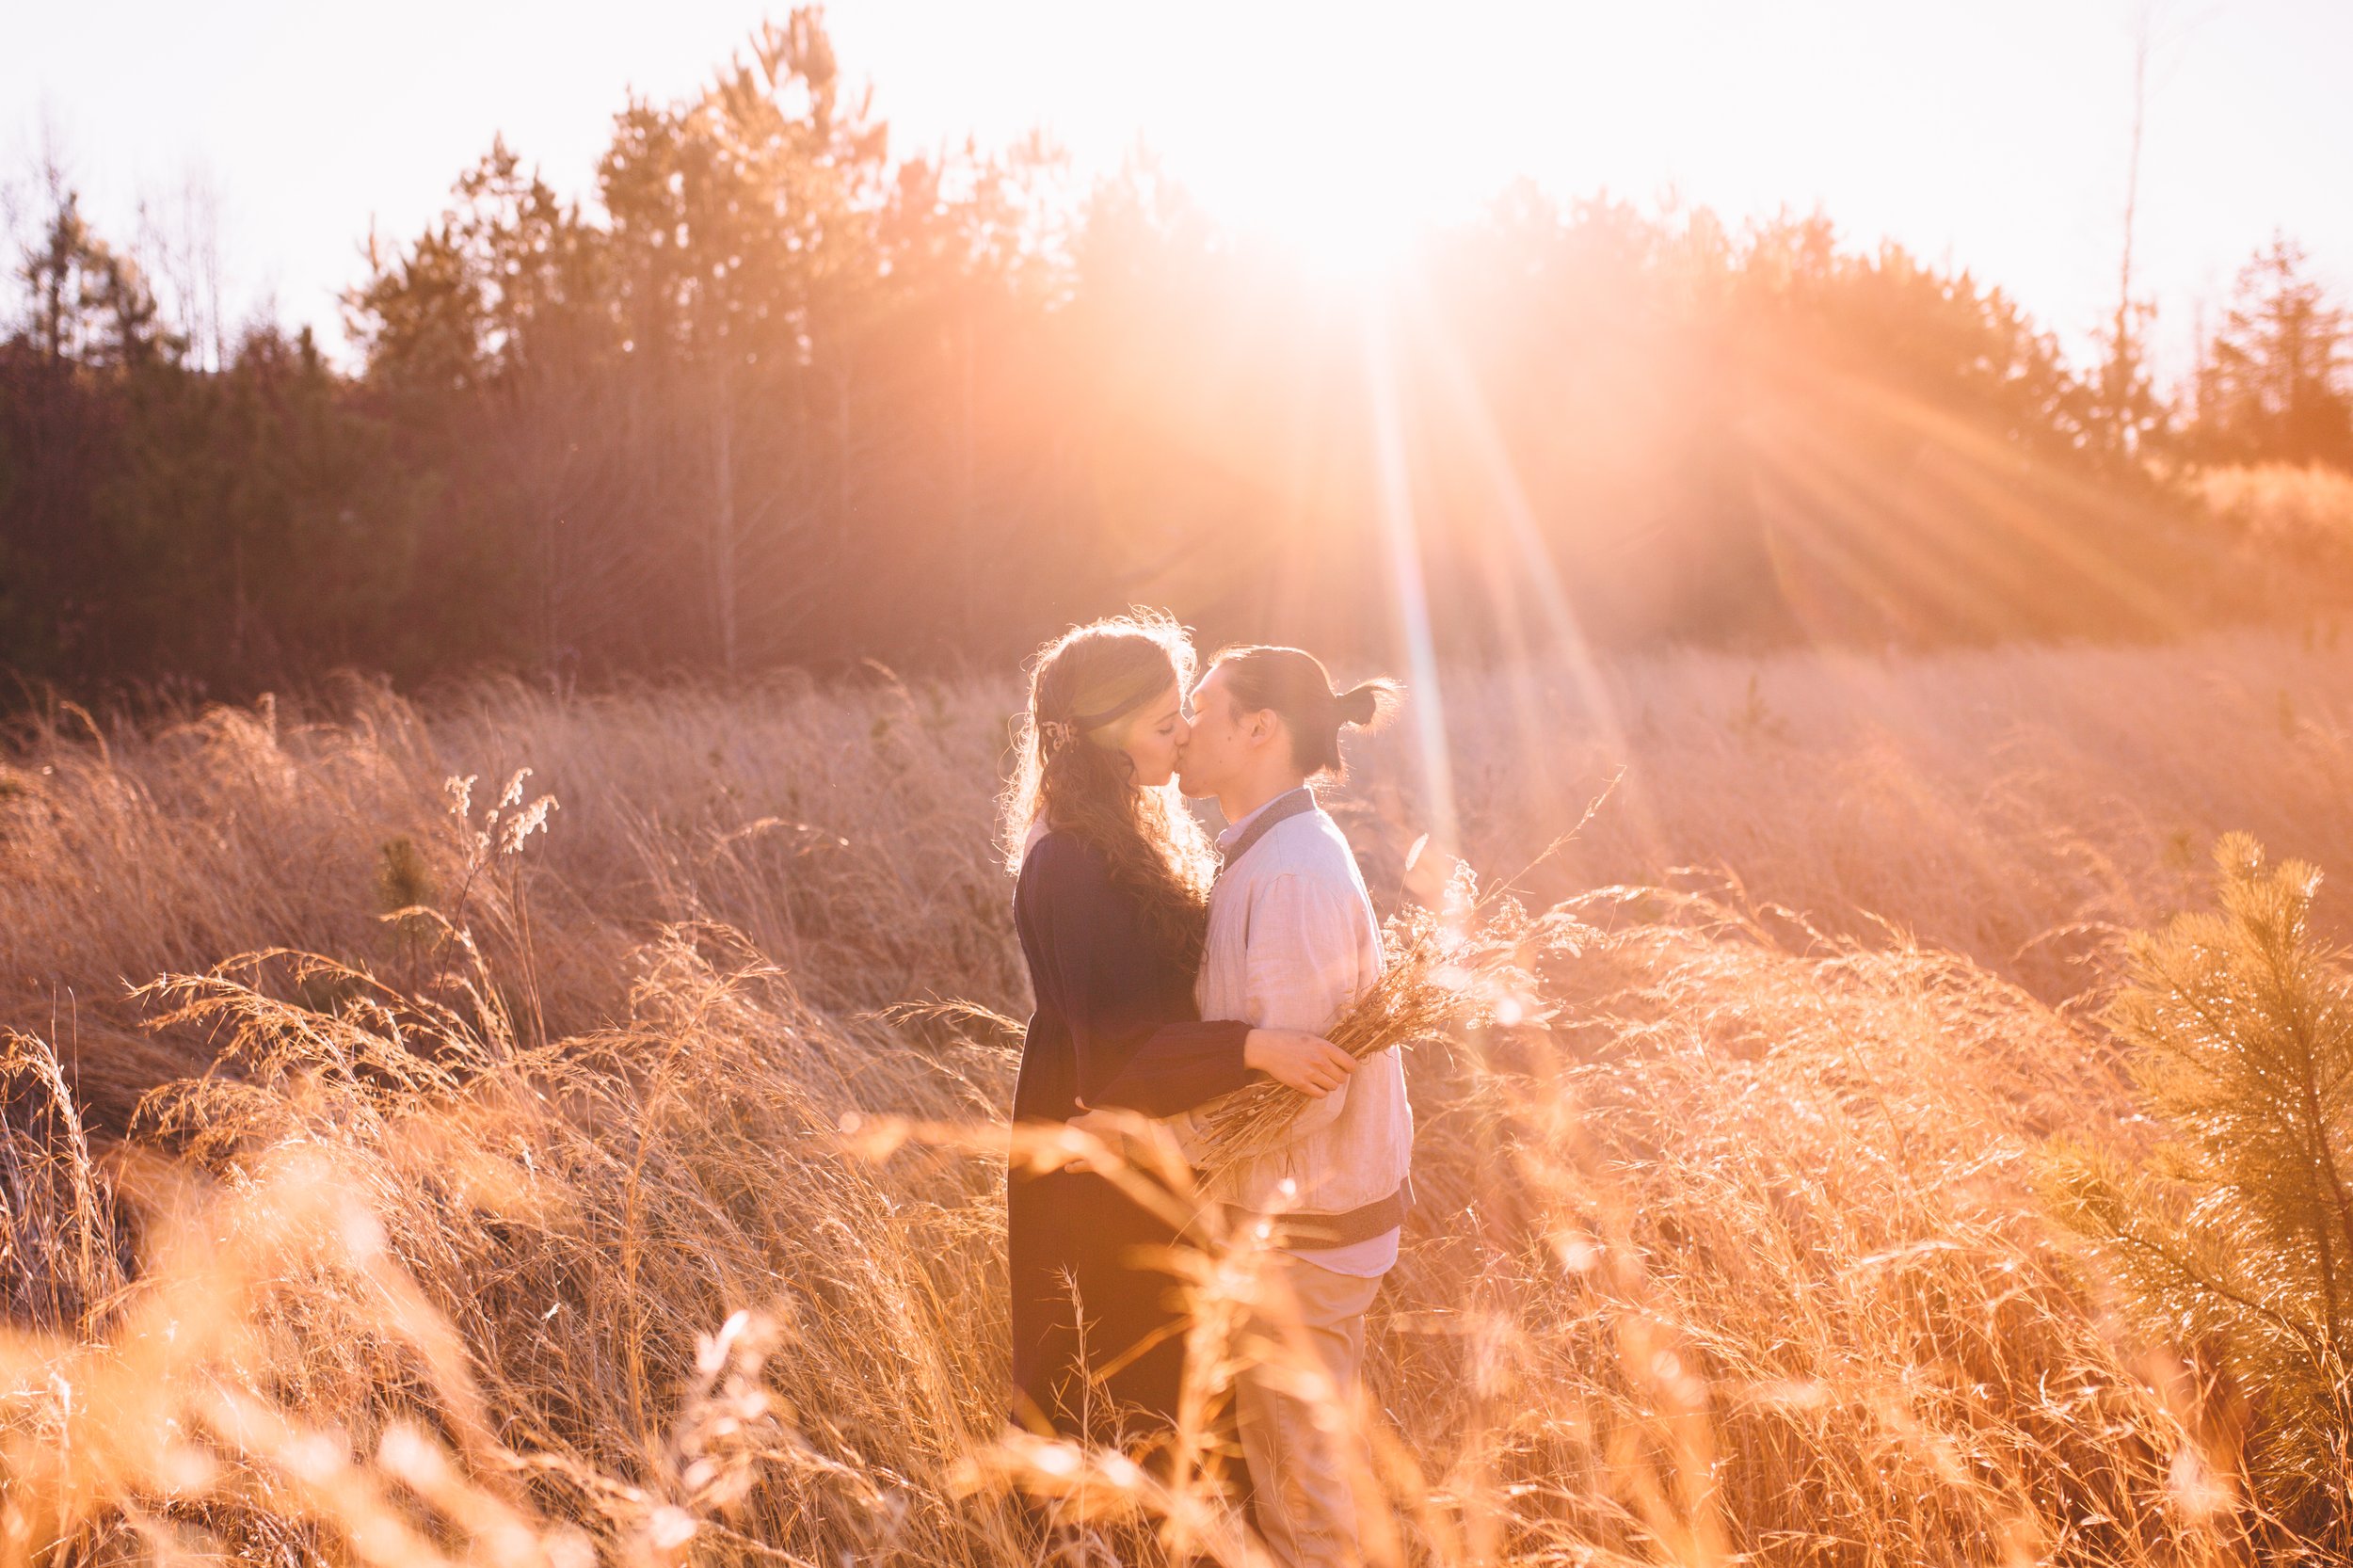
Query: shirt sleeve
1130, 1053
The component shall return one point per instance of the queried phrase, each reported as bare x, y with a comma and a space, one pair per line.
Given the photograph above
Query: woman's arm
1300, 976
1130, 1053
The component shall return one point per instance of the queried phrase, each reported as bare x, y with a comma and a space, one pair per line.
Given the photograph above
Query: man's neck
1246, 798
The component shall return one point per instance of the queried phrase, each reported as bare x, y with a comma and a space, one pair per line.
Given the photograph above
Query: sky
1988, 133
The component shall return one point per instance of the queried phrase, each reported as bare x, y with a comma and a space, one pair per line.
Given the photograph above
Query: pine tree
2235, 1240
2272, 386
91, 306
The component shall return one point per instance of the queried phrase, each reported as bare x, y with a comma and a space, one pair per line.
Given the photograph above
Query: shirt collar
1235, 830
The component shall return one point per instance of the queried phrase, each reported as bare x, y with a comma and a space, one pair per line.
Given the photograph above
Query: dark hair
1293, 684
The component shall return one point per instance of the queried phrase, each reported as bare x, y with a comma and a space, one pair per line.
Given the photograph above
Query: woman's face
1152, 737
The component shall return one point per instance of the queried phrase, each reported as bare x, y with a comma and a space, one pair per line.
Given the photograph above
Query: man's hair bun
1294, 685
1366, 703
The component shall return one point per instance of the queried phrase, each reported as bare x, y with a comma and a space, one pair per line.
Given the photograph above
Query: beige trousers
1302, 1445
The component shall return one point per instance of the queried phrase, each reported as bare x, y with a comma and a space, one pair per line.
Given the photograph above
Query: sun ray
1394, 503
1525, 538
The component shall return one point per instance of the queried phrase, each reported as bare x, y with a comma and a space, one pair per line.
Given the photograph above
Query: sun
1316, 149
1331, 224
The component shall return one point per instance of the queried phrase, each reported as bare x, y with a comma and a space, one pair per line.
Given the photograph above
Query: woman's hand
1313, 1065
1105, 1125
1116, 1127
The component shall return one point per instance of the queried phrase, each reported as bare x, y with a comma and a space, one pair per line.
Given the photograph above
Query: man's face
1217, 743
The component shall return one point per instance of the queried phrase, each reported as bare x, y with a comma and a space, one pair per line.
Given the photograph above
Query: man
1292, 941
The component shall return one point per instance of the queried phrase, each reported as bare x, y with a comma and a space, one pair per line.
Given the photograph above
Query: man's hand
1312, 1066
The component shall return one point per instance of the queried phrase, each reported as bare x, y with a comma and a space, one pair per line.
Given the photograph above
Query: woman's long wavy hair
1081, 781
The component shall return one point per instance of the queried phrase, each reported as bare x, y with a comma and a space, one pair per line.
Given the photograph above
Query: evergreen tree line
775, 396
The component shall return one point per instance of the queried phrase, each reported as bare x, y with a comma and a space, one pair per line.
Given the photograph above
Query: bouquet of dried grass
1461, 964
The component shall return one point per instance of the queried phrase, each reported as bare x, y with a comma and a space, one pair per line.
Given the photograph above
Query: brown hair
1294, 685
1085, 686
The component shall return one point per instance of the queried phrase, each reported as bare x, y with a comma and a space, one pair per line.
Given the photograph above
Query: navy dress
1107, 987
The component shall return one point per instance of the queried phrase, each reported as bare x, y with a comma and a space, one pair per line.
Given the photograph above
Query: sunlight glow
1323, 150
1332, 237
1531, 562
1393, 488
1344, 219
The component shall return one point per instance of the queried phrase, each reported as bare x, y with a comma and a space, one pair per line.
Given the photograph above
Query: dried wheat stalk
1456, 967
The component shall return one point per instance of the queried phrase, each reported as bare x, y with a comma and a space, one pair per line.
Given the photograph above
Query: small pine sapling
2234, 1241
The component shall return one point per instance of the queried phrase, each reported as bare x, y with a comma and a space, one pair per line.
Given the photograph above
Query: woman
1111, 903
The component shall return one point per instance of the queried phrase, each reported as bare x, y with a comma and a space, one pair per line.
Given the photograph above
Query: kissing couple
1168, 972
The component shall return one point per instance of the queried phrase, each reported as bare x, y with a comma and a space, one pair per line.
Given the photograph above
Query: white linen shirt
1292, 941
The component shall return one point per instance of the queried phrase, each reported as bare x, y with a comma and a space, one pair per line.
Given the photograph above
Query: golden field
401, 1223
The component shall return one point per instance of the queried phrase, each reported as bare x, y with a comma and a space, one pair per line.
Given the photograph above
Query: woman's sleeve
1179, 1066
1130, 1055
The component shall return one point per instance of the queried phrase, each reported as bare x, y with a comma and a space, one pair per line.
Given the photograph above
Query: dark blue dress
1107, 987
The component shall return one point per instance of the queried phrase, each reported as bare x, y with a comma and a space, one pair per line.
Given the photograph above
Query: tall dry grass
549, 1242
843, 832
1733, 1256
2017, 806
